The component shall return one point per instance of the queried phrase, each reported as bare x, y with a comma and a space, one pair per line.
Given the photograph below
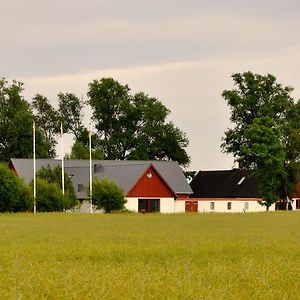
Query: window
228, 205
80, 187
149, 205
246, 206
297, 203
212, 205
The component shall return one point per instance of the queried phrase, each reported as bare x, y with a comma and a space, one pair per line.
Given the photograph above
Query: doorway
191, 206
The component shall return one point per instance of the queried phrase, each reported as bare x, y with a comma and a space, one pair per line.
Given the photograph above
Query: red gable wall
151, 187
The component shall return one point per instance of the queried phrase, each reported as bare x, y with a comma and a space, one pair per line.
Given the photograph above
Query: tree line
264, 137
126, 125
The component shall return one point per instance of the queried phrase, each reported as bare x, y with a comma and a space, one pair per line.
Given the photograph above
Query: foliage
16, 121
14, 194
256, 103
107, 195
70, 112
46, 119
49, 196
190, 175
262, 144
53, 176
134, 126
134, 256
81, 151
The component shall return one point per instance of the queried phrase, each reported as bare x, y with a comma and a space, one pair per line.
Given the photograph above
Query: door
191, 206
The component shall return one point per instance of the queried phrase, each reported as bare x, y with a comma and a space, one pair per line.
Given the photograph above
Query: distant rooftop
234, 183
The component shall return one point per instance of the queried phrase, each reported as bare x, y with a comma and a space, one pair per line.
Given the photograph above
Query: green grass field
130, 256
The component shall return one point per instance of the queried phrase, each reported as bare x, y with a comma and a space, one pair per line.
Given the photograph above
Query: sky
181, 52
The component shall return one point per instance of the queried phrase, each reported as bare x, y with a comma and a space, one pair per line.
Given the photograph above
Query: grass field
184, 256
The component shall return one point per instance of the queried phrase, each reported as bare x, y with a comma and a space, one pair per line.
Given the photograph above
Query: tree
53, 176
263, 145
265, 117
70, 112
81, 151
107, 195
134, 126
15, 196
16, 121
46, 119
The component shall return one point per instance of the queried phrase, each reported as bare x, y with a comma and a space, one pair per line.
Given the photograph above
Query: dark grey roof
234, 183
124, 173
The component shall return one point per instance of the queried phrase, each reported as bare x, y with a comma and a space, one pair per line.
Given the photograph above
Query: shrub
53, 175
15, 196
49, 196
107, 195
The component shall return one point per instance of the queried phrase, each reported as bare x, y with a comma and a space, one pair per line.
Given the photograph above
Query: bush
15, 196
53, 175
107, 195
49, 196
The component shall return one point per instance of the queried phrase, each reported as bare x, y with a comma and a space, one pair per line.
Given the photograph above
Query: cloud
182, 53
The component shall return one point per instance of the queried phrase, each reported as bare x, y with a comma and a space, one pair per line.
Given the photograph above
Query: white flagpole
91, 177
62, 160
34, 171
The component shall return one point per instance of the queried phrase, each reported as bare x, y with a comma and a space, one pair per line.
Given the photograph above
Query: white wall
294, 203
179, 206
236, 206
132, 204
167, 205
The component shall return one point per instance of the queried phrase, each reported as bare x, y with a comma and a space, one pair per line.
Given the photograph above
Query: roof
233, 183
124, 173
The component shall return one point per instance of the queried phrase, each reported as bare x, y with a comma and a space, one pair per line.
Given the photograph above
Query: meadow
133, 256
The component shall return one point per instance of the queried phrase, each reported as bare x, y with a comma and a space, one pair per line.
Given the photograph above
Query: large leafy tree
263, 145
134, 126
266, 122
46, 119
81, 151
70, 109
16, 119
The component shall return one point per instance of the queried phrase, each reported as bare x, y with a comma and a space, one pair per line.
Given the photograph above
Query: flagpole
34, 171
62, 161
91, 177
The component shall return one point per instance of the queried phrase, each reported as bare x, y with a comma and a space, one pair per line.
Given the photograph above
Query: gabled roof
153, 186
224, 184
124, 173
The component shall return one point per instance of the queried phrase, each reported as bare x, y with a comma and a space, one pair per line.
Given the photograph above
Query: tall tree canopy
16, 120
134, 126
265, 137
70, 112
46, 118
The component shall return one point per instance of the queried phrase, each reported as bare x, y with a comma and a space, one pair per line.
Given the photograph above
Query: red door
191, 206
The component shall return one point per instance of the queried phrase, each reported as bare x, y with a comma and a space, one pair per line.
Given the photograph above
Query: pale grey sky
182, 52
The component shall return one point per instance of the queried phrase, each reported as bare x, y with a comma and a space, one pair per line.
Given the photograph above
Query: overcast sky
182, 52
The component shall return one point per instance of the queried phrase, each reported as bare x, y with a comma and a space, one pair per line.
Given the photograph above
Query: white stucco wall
294, 203
179, 206
167, 205
236, 206
132, 204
